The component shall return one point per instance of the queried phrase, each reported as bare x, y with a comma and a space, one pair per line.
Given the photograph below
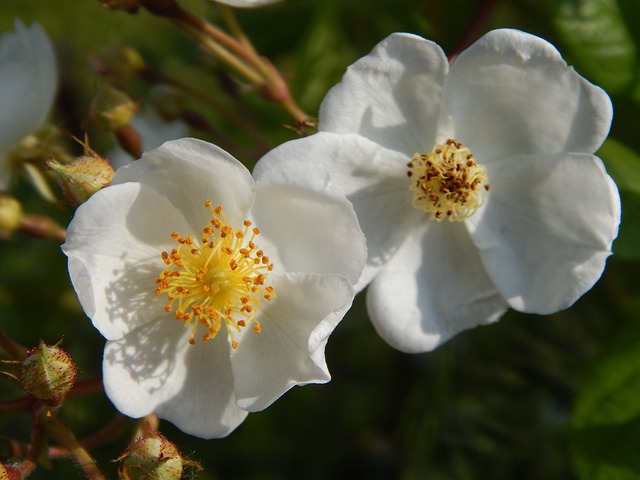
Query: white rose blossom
216, 294
475, 184
28, 83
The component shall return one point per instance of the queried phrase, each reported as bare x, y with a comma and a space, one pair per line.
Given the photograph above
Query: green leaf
623, 164
627, 245
596, 37
606, 418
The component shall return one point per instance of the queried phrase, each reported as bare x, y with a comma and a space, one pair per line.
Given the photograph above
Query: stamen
448, 183
218, 279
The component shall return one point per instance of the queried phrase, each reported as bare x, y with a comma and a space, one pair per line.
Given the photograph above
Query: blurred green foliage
529, 397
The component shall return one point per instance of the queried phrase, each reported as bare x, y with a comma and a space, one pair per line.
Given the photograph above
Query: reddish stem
477, 26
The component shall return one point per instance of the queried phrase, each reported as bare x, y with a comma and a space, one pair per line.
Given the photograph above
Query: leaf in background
623, 164
597, 40
606, 417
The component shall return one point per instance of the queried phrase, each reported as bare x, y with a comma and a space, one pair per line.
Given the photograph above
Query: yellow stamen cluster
447, 183
217, 278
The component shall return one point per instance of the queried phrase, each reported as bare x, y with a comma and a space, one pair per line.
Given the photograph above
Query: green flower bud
82, 177
112, 109
118, 63
10, 215
152, 457
9, 472
48, 374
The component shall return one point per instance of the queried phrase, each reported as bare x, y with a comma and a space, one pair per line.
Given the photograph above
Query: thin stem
106, 434
239, 55
236, 29
477, 26
145, 426
232, 45
24, 404
224, 55
18, 405
86, 387
63, 435
42, 227
38, 444
13, 348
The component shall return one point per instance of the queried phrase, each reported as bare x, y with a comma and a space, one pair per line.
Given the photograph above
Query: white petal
28, 81
189, 172
512, 93
547, 228
373, 178
308, 220
290, 349
432, 289
391, 96
114, 244
154, 370
247, 3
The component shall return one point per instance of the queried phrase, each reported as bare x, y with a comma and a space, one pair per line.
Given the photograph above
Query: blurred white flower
246, 3
28, 83
154, 131
216, 294
475, 184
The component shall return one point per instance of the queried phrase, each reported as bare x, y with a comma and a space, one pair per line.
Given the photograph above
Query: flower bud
82, 177
48, 374
151, 457
10, 215
112, 109
118, 62
9, 472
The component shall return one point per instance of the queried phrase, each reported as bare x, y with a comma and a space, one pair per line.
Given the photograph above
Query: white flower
154, 131
475, 185
247, 3
28, 82
206, 317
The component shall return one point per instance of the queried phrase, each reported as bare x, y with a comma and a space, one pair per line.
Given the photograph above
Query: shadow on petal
130, 299
149, 356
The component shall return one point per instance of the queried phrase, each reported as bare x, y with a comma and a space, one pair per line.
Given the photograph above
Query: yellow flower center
219, 278
448, 183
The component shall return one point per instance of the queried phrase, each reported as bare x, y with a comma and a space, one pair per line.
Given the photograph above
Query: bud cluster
48, 374
151, 456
